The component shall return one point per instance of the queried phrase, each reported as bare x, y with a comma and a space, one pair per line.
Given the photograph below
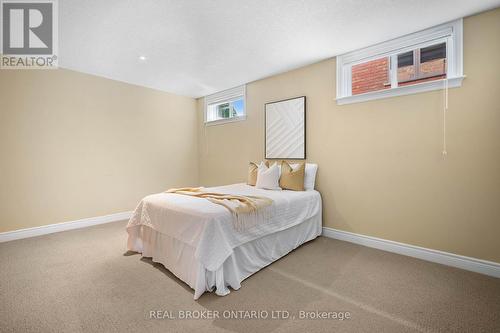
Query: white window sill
225, 121
453, 82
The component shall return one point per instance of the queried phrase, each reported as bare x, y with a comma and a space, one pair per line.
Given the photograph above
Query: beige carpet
83, 280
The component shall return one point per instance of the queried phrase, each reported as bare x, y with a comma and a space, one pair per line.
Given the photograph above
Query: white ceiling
197, 47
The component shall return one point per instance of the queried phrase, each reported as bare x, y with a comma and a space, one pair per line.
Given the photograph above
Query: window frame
417, 63
225, 96
451, 33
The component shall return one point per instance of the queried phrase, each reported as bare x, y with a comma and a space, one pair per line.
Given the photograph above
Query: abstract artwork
285, 126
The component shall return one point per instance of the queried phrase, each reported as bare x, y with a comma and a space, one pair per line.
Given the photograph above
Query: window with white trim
410, 64
225, 106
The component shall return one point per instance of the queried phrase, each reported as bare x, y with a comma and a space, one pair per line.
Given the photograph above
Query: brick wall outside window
435, 68
370, 76
374, 75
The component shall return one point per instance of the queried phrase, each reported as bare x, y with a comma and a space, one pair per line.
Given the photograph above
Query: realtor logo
29, 34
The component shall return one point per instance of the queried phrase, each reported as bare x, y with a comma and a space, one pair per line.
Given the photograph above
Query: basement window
225, 106
422, 65
410, 64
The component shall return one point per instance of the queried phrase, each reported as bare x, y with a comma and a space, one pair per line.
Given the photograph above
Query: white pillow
278, 165
309, 175
268, 178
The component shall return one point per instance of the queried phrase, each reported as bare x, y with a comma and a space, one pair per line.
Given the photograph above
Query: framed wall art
285, 129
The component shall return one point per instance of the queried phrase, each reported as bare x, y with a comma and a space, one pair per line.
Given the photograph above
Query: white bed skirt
178, 257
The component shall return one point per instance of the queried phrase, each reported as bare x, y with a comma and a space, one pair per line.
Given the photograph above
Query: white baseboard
468, 263
51, 228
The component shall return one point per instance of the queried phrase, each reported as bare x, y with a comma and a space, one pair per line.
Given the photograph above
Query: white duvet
208, 227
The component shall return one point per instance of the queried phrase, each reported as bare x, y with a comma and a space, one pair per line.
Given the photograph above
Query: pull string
445, 110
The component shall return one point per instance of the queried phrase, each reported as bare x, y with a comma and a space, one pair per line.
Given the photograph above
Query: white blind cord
445, 109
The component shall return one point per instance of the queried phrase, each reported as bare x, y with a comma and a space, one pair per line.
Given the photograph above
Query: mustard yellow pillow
292, 179
252, 173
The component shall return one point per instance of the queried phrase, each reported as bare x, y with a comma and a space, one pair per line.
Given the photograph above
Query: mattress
196, 240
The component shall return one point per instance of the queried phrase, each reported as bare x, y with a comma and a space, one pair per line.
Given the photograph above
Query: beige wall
380, 167
74, 146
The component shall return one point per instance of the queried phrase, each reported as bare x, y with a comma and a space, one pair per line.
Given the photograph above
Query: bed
196, 239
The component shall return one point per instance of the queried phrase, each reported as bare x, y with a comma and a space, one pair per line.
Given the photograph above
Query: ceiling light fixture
143, 58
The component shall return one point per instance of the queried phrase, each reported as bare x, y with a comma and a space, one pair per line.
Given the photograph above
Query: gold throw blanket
236, 204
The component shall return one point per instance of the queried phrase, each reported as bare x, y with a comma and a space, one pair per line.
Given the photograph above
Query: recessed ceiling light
143, 58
